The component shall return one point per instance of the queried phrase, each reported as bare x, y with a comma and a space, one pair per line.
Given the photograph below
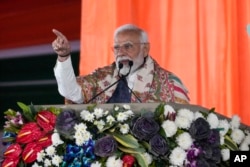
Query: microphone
121, 77
120, 66
94, 97
130, 63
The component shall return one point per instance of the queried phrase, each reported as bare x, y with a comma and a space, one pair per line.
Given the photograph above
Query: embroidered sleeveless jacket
152, 84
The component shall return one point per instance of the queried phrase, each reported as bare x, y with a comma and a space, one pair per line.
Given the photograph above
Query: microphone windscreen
130, 63
120, 65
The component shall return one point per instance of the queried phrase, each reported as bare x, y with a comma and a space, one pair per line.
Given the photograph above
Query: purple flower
65, 123
105, 146
202, 162
158, 145
144, 128
216, 155
214, 138
15, 119
209, 152
193, 153
200, 129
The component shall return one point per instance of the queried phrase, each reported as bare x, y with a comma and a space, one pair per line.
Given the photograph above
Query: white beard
137, 62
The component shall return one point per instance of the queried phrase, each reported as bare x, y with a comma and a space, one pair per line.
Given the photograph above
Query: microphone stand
134, 94
121, 77
124, 77
120, 67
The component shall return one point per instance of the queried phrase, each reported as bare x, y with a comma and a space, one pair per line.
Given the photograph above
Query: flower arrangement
120, 137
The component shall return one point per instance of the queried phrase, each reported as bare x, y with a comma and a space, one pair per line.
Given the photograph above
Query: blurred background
26, 56
204, 42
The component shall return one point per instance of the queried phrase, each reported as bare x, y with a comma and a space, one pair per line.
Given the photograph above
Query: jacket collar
142, 80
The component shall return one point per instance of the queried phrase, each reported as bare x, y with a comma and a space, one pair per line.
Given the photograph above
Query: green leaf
162, 132
32, 110
8, 139
54, 110
145, 145
10, 112
142, 112
140, 159
26, 111
212, 110
21, 164
230, 143
109, 127
12, 128
131, 150
91, 107
23, 106
159, 110
126, 140
205, 113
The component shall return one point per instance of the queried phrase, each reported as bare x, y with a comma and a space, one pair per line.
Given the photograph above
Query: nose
121, 50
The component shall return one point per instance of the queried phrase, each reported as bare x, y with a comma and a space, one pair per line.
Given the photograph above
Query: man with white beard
134, 76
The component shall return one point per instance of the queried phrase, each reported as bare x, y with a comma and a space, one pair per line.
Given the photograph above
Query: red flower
9, 162
29, 132
13, 151
45, 141
128, 160
30, 152
46, 120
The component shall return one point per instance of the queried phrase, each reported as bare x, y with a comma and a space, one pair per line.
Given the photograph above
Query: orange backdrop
204, 42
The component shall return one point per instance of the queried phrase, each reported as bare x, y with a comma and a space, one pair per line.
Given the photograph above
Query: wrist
66, 55
63, 58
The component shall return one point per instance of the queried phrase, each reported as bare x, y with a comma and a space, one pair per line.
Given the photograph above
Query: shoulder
97, 75
101, 72
109, 69
179, 89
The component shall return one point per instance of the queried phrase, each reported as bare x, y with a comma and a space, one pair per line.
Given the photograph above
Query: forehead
127, 36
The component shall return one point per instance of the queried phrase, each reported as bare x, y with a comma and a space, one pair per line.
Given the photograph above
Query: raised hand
61, 45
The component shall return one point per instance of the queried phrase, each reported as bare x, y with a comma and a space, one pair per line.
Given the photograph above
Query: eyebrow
130, 42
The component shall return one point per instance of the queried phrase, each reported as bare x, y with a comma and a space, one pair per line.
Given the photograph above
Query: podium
137, 107
144, 128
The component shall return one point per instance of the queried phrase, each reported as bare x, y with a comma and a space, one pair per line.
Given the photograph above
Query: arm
64, 73
66, 81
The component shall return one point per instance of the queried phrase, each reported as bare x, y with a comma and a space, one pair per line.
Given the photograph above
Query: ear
146, 48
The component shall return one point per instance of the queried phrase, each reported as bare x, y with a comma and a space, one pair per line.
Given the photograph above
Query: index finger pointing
58, 33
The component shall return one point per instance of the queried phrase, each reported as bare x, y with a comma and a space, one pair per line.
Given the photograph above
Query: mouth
124, 62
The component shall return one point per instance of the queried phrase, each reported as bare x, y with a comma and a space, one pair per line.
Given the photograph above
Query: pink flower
46, 120
30, 152
128, 160
45, 141
9, 162
29, 132
13, 151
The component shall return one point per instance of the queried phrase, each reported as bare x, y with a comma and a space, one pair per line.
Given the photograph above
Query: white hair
132, 28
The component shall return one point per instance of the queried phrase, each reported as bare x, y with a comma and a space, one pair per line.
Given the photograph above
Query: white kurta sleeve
66, 81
